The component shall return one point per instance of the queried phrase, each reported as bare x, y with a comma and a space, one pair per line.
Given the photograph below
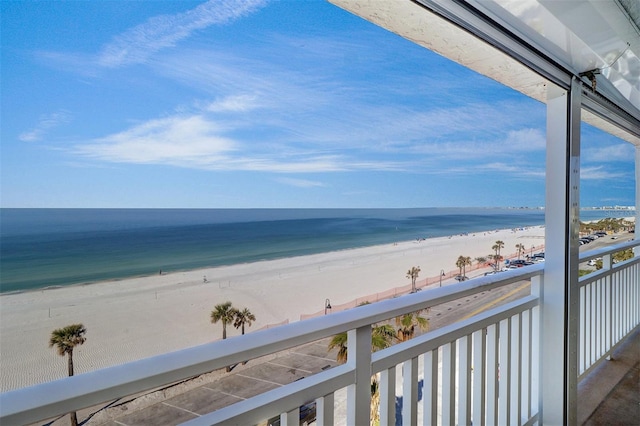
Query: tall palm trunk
72, 415
70, 362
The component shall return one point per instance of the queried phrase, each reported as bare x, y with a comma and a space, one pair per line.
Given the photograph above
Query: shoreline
134, 318
46, 279
205, 268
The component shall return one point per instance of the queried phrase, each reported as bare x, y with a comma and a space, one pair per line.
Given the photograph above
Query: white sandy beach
136, 318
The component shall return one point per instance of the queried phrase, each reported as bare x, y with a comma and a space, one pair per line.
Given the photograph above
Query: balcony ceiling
586, 38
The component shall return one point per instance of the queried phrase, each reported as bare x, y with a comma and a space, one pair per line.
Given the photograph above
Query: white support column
359, 394
560, 296
637, 249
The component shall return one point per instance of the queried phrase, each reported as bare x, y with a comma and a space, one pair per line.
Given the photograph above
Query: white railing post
449, 383
324, 410
560, 295
388, 397
493, 332
410, 392
430, 388
479, 377
464, 380
359, 393
290, 418
536, 351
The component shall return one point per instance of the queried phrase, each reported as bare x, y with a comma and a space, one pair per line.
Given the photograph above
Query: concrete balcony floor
610, 394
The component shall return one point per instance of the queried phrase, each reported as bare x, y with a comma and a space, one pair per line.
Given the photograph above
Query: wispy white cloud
47, 122
160, 32
305, 116
516, 170
599, 173
300, 183
174, 140
235, 103
621, 151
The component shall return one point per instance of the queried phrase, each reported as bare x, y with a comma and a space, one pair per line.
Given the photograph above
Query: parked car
519, 263
461, 278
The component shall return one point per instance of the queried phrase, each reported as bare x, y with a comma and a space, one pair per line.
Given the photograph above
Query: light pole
441, 275
327, 305
532, 247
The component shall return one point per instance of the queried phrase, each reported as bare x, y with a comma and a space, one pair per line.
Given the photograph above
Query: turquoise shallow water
51, 247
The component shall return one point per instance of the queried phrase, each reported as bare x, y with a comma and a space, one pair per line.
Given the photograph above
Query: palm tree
242, 318
339, 341
459, 264
462, 263
381, 337
467, 262
407, 325
496, 258
413, 275
520, 248
65, 339
224, 313
496, 248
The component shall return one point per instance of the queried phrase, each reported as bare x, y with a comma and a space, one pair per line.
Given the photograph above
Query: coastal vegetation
406, 325
520, 249
412, 274
496, 257
382, 337
619, 256
227, 314
243, 317
224, 313
65, 340
607, 225
462, 263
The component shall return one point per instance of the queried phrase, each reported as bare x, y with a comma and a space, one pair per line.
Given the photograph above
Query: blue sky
251, 103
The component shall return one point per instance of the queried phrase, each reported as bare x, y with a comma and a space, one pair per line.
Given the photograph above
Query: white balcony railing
609, 305
481, 370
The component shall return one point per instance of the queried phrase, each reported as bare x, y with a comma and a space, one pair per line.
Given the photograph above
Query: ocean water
53, 247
